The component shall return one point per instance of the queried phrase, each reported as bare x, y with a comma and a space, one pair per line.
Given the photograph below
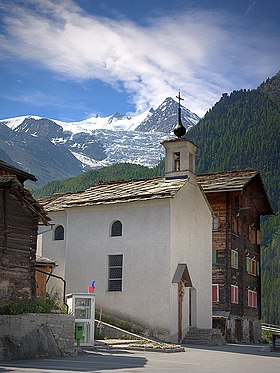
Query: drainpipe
64, 285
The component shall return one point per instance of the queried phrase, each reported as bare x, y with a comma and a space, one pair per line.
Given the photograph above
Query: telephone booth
82, 306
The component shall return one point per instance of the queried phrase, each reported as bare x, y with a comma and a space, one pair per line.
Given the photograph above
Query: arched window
116, 229
59, 233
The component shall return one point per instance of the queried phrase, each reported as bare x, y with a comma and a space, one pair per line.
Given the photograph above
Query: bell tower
179, 152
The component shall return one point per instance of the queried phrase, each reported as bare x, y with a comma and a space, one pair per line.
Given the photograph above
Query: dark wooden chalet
9, 170
238, 199
20, 214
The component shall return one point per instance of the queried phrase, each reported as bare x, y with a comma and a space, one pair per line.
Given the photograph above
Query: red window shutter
254, 299
234, 294
249, 298
215, 293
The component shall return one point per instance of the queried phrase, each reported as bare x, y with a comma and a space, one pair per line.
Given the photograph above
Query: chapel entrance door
182, 279
180, 309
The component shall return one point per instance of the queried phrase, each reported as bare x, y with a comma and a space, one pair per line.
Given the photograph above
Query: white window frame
234, 299
215, 223
217, 287
234, 254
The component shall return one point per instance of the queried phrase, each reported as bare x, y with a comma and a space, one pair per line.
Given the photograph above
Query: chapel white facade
146, 243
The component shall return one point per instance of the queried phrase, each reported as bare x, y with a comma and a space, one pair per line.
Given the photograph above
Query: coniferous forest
241, 131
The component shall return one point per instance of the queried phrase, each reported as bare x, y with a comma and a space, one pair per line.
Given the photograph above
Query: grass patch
125, 325
267, 336
49, 305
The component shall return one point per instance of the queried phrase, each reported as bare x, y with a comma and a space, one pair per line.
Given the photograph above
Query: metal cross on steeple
179, 99
179, 130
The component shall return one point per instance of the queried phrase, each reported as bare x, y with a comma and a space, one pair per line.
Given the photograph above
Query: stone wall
36, 335
252, 335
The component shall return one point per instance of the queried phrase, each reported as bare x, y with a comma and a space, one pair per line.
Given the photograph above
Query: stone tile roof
157, 188
237, 181
115, 192
225, 181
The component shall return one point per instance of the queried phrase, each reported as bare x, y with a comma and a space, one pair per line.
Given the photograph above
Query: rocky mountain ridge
52, 149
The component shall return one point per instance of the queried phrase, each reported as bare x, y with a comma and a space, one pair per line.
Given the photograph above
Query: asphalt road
226, 359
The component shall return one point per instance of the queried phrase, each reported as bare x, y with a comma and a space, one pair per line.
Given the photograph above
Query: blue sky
71, 59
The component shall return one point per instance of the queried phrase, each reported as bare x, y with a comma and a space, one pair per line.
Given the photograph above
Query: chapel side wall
54, 250
145, 245
192, 244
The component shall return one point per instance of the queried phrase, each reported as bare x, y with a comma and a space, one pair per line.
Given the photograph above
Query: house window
234, 259
59, 233
216, 224
252, 234
252, 298
215, 293
214, 256
234, 294
236, 225
115, 266
252, 266
116, 229
177, 161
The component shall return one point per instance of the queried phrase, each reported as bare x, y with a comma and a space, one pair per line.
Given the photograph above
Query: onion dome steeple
179, 130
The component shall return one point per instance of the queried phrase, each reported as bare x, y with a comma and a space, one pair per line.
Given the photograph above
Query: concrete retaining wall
36, 335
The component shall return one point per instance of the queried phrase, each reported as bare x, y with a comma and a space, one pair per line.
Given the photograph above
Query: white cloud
200, 53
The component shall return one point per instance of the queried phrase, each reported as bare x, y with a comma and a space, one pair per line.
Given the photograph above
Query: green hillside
271, 271
242, 131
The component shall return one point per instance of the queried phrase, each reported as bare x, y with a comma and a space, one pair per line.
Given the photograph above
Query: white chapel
147, 244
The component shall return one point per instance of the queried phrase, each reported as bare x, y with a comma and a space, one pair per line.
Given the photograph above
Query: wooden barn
238, 199
20, 215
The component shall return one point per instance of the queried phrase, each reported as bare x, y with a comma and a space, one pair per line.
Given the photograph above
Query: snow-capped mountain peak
91, 143
115, 122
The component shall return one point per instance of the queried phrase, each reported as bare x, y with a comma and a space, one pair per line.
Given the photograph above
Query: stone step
204, 337
194, 337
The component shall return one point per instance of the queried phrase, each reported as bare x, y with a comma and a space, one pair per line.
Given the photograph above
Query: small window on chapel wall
177, 161
116, 229
115, 263
59, 233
